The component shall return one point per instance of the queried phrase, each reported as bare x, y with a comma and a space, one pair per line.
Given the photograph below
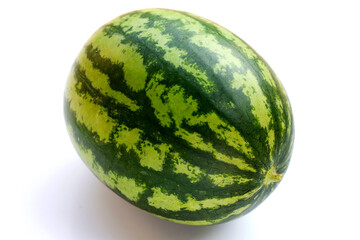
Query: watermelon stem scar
272, 177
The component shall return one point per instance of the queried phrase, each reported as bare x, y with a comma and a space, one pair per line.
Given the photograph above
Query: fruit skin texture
179, 116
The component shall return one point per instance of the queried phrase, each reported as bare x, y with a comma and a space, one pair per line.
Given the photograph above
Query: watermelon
179, 116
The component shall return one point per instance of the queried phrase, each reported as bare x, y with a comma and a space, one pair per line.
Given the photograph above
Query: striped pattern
179, 116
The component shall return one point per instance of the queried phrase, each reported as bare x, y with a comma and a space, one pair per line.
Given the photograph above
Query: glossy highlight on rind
179, 116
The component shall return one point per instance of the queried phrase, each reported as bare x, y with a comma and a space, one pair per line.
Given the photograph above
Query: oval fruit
179, 116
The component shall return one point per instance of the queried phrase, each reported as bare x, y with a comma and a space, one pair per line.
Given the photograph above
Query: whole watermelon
179, 116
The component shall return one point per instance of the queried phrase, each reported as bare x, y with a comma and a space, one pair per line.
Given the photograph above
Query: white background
48, 193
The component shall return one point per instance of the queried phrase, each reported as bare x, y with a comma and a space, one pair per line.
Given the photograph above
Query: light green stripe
175, 104
226, 59
224, 132
196, 141
223, 180
195, 174
250, 87
271, 142
154, 91
150, 155
162, 200
127, 186
173, 55
100, 82
271, 79
93, 116
119, 53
